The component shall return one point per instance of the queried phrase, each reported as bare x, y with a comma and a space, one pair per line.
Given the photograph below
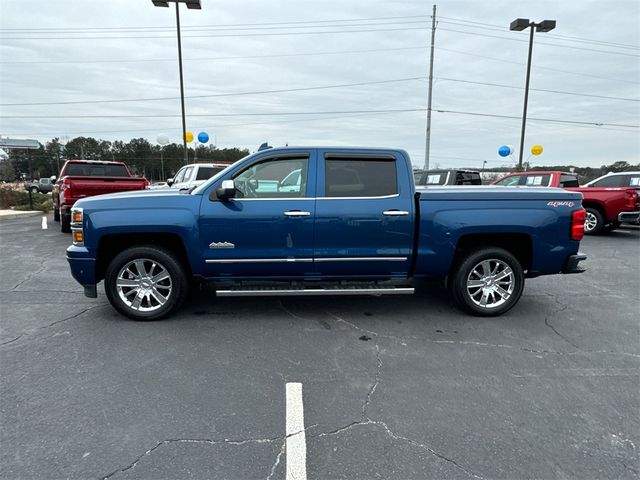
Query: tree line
141, 157
147, 160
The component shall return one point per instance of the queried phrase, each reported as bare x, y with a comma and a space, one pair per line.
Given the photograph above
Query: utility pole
428, 139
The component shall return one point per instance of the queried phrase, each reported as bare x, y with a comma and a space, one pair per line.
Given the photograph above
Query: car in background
606, 206
616, 180
43, 185
192, 175
447, 177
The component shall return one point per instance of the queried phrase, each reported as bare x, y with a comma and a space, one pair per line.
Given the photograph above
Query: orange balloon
188, 137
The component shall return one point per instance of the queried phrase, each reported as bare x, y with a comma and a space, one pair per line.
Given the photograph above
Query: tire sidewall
458, 285
167, 260
65, 222
599, 221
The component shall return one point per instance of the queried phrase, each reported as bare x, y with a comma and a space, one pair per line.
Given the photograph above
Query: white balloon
163, 139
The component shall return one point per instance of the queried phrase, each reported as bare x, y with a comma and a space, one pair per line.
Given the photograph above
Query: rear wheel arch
519, 245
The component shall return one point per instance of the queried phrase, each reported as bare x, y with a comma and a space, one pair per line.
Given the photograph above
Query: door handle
297, 213
395, 213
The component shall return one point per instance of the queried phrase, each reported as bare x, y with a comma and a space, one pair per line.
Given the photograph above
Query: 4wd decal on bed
556, 204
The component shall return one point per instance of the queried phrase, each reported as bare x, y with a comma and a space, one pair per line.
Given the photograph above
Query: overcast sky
101, 51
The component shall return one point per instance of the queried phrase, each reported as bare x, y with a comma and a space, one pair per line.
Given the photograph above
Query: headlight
77, 232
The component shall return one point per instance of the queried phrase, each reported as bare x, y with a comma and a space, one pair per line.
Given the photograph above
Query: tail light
632, 198
65, 188
577, 224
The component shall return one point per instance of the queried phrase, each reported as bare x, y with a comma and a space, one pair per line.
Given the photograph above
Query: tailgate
89, 186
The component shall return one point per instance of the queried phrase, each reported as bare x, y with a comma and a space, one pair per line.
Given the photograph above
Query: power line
539, 89
231, 94
172, 27
200, 59
399, 110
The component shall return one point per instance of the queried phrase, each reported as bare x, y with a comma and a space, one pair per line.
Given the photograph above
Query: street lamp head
519, 24
193, 4
546, 26
160, 3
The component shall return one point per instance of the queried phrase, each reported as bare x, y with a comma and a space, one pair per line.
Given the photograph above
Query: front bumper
571, 265
629, 217
83, 268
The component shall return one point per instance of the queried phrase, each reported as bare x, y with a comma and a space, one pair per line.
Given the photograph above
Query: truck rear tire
146, 283
487, 281
65, 222
594, 222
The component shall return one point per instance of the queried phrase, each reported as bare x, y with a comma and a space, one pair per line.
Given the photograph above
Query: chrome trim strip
395, 213
395, 195
360, 259
358, 198
316, 291
297, 213
259, 260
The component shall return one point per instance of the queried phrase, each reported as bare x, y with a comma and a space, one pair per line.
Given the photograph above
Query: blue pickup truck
314, 221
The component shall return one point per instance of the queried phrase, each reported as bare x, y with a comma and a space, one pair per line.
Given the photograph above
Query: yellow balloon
189, 137
536, 150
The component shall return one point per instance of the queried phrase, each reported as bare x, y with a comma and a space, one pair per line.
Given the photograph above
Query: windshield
201, 188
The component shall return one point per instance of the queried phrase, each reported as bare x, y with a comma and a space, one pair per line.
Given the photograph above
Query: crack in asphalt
475, 343
31, 275
71, 317
395, 436
208, 441
367, 401
277, 462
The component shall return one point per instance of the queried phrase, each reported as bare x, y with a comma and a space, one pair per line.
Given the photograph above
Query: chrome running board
268, 291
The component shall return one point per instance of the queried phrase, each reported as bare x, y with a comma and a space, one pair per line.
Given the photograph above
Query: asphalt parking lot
392, 387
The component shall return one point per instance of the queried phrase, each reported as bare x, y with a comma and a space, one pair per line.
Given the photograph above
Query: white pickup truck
192, 175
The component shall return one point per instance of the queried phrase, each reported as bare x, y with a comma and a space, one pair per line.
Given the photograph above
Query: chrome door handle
297, 213
395, 213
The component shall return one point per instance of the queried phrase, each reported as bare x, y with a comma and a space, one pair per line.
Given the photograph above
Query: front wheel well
111, 245
518, 244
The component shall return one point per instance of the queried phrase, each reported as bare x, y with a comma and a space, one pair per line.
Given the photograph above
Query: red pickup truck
606, 207
86, 178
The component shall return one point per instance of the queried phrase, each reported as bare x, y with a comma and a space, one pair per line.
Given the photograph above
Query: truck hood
139, 199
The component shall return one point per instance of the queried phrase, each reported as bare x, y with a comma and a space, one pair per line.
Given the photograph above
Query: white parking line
296, 445
44, 223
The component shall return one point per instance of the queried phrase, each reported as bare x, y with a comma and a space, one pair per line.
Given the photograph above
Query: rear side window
205, 173
634, 181
349, 177
568, 181
511, 181
96, 170
436, 179
537, 180
468, 178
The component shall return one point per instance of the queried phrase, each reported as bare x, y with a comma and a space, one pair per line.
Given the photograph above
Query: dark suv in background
447, 177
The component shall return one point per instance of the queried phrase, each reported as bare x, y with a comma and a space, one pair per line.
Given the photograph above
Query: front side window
187, 174
273, 178
509, 181
179, 176
349, 177
611, 181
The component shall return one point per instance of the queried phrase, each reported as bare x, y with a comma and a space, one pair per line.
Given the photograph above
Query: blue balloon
203, 137
504, 151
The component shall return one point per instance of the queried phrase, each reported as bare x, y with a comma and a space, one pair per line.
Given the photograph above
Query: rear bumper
571, 265
629, 217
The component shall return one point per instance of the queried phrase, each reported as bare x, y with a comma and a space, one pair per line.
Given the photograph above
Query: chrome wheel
490, 283
144, 285
590, 222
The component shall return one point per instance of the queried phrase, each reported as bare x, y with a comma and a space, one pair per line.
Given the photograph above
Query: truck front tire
145, 283
65, 222
487, 281
56, 214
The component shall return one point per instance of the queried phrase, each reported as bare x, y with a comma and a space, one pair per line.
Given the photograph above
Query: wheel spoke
486, 268
483, 300
502, 292
163, 275
161, 299
137, 301
503, 274
140, 267
475, 283
127, 282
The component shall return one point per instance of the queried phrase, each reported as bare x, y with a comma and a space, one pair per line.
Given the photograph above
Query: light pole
518, 25
191, 4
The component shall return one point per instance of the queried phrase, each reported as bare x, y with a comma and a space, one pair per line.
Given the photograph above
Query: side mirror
53, 179
169, 181
227, 190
